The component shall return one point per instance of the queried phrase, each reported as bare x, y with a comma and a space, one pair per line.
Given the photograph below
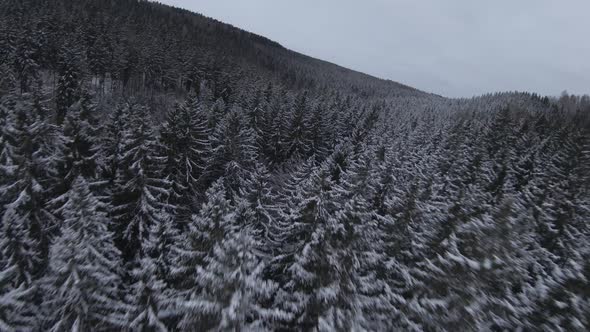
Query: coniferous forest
163, 171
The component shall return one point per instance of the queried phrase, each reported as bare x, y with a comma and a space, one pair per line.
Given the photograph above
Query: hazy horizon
455, 49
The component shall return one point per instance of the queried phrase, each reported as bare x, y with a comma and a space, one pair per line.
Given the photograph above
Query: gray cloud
454, 48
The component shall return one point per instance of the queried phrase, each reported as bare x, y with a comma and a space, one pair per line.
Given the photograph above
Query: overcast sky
456, 48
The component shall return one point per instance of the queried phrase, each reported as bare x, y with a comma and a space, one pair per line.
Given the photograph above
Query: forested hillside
162, 171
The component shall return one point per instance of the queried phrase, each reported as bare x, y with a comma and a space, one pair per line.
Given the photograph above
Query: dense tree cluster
140, 47
148, 183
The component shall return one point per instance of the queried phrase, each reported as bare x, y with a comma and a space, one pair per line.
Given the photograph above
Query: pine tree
26, 58
260, 203
81, 288
185, 137
234, 293
256, 110
148, 299
402, 243
356, 296
207, 229
80, 151
82, 136
274, 124
115, 128
297, 143
7, 162
296, 177
559, 201
359, 295
480, 271
234, 151
162, 246
351, 295
19, 259
318, 132
29, 162
8, 81
303, 268
70, 75
140, 193
99, 56
17, 309
498, 143
216, 113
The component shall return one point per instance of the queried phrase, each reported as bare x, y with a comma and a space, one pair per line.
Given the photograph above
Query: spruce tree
80, 151
234, 293
559, 208
26, 58
208, 228
140, 191
68, 84
17, 308
19, 259
274, 124
185, 137
150, 307
82, 140
297, 142
216, 113
260, 201
234, 151
303, 267
163, 245
111, 141
81, 287
29, 162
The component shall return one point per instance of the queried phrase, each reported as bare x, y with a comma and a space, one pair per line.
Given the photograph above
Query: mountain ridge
269, 42
170, 41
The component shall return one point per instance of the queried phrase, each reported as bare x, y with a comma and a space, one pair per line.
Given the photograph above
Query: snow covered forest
163, 171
